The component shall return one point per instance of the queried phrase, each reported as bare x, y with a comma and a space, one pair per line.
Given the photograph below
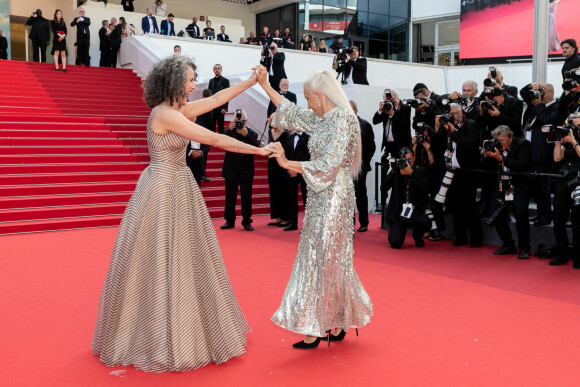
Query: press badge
407, 210
508, 188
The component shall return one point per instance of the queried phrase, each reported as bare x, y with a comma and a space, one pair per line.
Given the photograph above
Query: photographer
512, 154
428, 107
273, 60
542, 110
467, 98
396, 119
356, 68
495, 79
39, 35
337, 45
461, 152
238, 171
498, 108
570, 98
408, 199
567, 151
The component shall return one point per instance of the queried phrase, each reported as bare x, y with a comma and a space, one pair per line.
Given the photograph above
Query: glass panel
380, 6
336, 3
399, 31
361, 5
377, 24
377, 49
398, 51
359, 24
444, 59
352, 4
448, 33
400, 8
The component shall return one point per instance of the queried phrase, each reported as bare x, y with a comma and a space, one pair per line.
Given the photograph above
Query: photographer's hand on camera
494, 155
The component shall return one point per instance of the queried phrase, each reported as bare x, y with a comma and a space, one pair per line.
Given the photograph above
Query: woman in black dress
306, 43
58, 28
277, 182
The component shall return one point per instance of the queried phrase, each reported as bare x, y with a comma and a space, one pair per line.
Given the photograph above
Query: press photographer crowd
473, 153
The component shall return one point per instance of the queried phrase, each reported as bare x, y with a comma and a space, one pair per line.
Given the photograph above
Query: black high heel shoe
304, 345
340, 336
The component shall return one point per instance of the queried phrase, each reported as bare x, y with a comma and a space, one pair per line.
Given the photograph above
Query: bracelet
575, 145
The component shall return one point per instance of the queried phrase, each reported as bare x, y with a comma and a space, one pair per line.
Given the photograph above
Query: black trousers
105, 60
562, 207
362, 200
278, 185
232, 185
83, 45
541, 191
292, 195
218, 117
39, 46
461, 203
397, 230
194, 165
114, 52
519, 207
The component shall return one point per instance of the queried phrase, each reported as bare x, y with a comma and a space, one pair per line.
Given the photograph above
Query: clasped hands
277, 151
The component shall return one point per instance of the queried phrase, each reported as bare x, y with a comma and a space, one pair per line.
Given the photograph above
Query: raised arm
170, 120
196, 108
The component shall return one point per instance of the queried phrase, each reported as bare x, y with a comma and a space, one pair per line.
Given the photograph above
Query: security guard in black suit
238, 170
216, 84
296, 149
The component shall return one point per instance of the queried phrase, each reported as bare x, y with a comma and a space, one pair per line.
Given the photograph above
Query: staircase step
61, 189
65, 133
59, 224
69, 178
71, 168
62, 212
63, 150
37, 159
20, 202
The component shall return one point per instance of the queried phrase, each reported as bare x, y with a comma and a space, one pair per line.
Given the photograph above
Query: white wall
434, 9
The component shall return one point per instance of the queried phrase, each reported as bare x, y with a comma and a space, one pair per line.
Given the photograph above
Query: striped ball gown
167, 303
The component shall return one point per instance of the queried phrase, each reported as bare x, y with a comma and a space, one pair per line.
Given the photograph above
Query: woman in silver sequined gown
324, 292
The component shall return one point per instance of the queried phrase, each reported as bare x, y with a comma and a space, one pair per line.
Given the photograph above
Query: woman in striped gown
167, 303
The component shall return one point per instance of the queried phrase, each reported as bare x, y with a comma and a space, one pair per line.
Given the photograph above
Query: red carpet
508, 30
443, 316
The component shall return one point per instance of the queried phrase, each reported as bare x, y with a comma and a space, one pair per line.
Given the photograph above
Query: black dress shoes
248, 227
226, 226
558, 261
304, 345
458, 243
363, 229
524, 254
542, 222
291, 227
204, 178
274, 223
283, 224
506, 250
419, 243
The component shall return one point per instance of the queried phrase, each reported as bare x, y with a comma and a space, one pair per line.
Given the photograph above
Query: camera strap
408, 207
505, 184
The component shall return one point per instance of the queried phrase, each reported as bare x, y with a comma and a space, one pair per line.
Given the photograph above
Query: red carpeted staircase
72, 146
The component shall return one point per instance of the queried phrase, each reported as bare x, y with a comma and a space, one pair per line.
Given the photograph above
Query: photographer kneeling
410, 190
512, 154
567, 194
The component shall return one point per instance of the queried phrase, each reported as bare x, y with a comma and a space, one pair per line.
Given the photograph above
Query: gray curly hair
166, 82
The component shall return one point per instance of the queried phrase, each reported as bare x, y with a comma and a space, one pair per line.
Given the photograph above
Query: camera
569, 84
402, 163
388, 106
421, 127
492, 145
239, 123
530, 95
494, 215
421, 138
555, 133
486, 105
445, 184
265, 56
490, 82
445, 118
572, 74
414, 103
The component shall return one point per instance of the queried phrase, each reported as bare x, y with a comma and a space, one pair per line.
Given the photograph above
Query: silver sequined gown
324, 290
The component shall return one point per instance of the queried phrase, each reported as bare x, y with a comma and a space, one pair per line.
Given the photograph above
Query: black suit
238, 170
569, 104
571, 63
205, 120
298, 153
290, 96
223, 38
510, 115
464, 142
197, 164
277, 65
542, 152
3, 48
128, 6
360, 183
215, 85
518, 159
83, 39
115, 38
277, 182
193, 31
359, 70
511, 90
418, 190
105, 47
40, 36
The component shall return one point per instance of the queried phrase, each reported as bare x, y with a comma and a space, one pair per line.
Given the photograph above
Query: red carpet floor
508, 30
443, 316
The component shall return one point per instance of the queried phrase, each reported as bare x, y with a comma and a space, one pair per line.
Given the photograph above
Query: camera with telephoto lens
445, 118
488, 82
239, 123
573, 176
340, 59
555, 133
265, 57
530, 95
421, 138
388, 106
414, 103
494, 215
492, 145
571, 79
445, 184
486, 105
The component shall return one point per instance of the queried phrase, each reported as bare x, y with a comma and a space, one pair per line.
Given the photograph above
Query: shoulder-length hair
61, 17
166, 82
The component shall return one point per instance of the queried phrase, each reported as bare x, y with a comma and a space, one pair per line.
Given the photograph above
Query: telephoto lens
445, 184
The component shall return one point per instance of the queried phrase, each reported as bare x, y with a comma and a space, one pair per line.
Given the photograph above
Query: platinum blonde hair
324, 82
